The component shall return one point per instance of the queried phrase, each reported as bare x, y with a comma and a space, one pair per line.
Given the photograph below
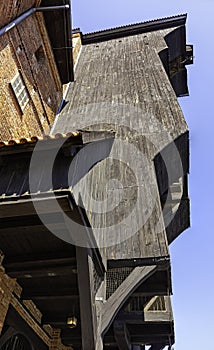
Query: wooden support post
122, 336
87, 304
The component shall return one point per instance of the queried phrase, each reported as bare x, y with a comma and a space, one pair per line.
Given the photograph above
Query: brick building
67, 280
32, 73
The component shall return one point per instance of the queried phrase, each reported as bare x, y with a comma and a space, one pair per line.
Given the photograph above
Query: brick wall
26, 49
10, 292
6, 288
10, 9
56, 341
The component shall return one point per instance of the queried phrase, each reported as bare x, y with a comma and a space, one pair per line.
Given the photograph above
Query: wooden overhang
44, 265
176, 209
123, 91
94, 103
133, 29
51, 271
174, 59
141, 322
58, 24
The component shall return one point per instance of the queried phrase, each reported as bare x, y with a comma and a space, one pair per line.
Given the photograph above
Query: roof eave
134, 29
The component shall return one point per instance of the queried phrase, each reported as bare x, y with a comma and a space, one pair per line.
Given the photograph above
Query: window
20, 91
16, 342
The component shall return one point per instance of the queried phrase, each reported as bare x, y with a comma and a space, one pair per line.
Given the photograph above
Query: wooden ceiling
46, 266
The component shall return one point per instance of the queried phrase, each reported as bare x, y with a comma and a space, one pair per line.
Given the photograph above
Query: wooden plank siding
107, 197
129, 93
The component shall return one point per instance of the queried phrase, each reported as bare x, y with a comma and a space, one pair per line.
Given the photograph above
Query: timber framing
59, 267
118, 299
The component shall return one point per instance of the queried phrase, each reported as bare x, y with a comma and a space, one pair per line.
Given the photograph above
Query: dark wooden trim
141, 317
157, 347
84, 275
40, 264
133, 29
8, 224
90, 238
41, 272
40, 259
110, 309
44, 293
52, 297
122, 336
160, 261
24, 207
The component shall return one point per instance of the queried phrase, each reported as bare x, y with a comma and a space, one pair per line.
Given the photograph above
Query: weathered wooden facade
87, 216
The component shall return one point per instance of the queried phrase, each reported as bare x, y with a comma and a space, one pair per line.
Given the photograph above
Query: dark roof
132, 29
58, 24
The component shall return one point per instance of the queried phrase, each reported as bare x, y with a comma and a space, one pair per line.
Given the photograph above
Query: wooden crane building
85, 226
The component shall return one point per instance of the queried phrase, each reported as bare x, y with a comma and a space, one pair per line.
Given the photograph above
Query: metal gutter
26, 14
70, 13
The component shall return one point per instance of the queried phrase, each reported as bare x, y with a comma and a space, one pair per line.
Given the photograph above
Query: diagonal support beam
87, 311
113, 305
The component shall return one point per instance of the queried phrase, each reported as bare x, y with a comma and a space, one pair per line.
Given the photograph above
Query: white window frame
20, 91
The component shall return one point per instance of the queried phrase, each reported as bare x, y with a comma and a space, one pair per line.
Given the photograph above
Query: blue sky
191, 253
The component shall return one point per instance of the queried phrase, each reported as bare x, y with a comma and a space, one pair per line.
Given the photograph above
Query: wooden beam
8, 223
41, 272
158, 346
52, 297
85, 279
41, 263
140, 317
45, 292
122, 336
160, 261
110, 309
90, 240
25, 207
98, 262
42, 259
139, 339
148, 339
21, 320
